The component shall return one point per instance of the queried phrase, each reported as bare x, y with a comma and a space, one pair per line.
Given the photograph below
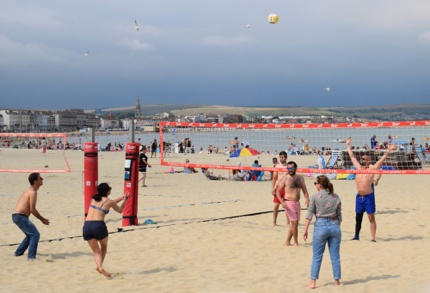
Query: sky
87, 54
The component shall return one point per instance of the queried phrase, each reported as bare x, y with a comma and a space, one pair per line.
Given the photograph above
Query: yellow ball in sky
273, 18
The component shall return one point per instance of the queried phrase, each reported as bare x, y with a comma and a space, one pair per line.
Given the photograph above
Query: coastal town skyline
319, 54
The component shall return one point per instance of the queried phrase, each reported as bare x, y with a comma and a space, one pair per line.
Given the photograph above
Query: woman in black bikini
95, 231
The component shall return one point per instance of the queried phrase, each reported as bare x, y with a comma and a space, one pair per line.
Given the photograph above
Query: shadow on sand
409, 237
369, 279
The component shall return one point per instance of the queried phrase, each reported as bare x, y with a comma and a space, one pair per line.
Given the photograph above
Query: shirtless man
276, 178
275, 162
359, 216
292, 184
365, 199
27, 205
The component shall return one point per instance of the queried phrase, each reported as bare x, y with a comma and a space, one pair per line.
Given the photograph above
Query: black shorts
94, 230
143, 170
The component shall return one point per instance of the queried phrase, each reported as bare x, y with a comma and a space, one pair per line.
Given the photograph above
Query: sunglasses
363, 159
291, 169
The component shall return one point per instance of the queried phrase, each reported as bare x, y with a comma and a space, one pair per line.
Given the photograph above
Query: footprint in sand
49, 258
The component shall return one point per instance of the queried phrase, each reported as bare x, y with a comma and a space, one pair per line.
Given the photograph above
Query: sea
273, 140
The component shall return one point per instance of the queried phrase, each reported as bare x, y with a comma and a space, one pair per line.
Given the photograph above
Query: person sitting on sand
189, 170
236, 175
95, 231
210, 175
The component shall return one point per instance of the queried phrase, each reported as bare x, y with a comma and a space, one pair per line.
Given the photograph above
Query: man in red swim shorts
276, 178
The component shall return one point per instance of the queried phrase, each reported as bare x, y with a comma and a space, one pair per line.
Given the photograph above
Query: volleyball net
33, 152
253, 146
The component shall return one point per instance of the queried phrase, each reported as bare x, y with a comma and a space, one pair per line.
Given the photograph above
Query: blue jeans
326, 231
32, 236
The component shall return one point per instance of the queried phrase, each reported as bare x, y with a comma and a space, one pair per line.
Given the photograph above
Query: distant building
70, 120
109, 122
16, 120
138, 111
43, 121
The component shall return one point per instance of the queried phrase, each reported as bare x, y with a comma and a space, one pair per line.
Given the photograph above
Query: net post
91, 171
131, 184
131, 131
93, 134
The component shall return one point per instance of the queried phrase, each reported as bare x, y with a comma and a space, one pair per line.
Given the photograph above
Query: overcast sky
368, 52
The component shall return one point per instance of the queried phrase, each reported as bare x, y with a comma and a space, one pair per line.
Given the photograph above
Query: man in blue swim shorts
365, 200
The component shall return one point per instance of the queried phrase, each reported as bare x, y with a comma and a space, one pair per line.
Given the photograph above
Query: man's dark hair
292, 162
283, 153
33, 177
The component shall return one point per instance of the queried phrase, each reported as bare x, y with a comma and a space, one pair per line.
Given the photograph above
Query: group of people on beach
325, 205
94, 230
286, 188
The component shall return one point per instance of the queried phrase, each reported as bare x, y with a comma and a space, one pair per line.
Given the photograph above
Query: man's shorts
293, 210
365, 204
275, 198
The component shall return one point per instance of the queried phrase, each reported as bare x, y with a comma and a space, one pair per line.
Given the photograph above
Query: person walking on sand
143, 163
44, 145
95, 231
154, 148
292, 184
27, 205
326, 206
365, 199
276, 178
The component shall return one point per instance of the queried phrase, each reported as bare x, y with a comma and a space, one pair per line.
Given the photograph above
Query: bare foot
273, 225
336, 282
287, 244
103, 272
313, 284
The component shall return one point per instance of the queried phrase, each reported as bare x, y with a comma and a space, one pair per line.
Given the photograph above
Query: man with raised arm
365, 199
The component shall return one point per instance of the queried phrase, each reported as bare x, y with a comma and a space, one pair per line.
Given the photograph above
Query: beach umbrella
244, 152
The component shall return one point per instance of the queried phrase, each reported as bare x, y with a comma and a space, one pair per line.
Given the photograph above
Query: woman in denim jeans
326, 207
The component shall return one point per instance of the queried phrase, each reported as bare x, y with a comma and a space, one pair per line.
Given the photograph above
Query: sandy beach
210, 236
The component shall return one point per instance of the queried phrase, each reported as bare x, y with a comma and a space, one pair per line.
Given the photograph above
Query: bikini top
100, 208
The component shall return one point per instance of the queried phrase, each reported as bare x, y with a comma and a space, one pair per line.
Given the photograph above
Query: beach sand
210, 236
